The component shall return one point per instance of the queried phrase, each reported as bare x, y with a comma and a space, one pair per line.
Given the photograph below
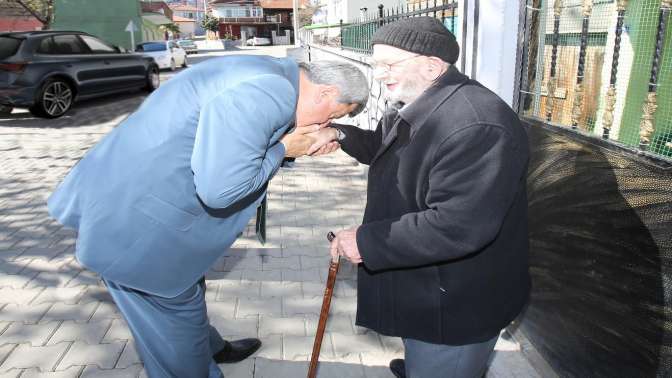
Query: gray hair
352, 85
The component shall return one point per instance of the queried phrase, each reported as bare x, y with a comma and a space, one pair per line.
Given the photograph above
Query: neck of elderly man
405, 81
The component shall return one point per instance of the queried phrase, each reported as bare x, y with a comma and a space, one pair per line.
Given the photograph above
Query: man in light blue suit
166, 193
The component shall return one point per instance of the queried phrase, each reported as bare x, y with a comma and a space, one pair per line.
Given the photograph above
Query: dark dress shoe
236, 351
398, 367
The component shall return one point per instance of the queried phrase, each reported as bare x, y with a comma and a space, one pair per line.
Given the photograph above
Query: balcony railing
251, 20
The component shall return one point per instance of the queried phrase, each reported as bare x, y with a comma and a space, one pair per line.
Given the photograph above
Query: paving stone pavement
57, 320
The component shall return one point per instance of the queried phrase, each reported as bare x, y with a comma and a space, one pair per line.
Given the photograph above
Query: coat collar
417, 113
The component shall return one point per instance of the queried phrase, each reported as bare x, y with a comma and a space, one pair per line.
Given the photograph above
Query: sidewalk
58, 321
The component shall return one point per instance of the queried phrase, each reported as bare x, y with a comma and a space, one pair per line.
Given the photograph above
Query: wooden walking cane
324, 313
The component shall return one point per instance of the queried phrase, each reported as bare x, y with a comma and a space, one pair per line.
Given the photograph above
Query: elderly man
161, 197
442, 250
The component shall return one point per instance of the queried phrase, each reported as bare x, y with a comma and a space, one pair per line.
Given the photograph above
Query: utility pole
295, 6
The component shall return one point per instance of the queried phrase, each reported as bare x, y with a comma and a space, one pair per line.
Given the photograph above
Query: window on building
236, 12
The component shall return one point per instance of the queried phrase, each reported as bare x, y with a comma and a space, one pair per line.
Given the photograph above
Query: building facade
185, 10
110, 19
13, 17
251, 18
187, 26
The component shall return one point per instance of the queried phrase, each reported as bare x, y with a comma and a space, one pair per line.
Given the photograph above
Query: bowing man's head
329, 90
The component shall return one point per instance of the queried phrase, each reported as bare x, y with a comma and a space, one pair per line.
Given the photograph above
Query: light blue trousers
426, 360
172, 335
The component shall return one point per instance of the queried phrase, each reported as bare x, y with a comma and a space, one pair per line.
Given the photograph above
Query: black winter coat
444, 237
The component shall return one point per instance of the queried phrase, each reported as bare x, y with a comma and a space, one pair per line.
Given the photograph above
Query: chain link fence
603, 67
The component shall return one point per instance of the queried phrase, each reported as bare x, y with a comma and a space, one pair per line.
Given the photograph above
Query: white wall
495, 64
353, 7
349, 10
187, 29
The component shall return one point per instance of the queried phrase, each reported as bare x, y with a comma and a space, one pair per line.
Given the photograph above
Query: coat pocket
165, 213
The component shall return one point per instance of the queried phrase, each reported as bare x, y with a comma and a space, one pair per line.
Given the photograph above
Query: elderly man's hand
326, 149
324, 141
345, 244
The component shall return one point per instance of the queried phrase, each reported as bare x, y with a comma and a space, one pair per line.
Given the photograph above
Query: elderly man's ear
433, 68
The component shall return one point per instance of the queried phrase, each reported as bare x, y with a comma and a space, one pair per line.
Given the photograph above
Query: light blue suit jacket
162, 196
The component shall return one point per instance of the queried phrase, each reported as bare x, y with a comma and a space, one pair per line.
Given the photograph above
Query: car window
9, 46
98, 46
174, 45
68, 44
46, 46
151, 46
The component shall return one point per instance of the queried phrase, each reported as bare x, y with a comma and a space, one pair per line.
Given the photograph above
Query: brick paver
57, 320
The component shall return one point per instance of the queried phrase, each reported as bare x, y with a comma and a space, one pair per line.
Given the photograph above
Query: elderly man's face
397, 70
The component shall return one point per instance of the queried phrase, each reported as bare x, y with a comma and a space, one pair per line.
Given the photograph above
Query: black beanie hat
421, 35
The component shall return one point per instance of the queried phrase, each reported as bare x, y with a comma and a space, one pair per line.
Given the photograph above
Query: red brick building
14, 17
255, 17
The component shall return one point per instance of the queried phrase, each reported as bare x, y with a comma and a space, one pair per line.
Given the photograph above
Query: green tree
42, 10
210, 23
172, 27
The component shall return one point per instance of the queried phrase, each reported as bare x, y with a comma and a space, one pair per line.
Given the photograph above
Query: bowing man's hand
345, 244
298, 142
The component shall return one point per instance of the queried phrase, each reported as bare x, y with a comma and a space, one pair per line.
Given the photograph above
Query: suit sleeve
476, 175
360, 144
233, 155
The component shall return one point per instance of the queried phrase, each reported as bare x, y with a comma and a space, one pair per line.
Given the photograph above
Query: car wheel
54, 99
184, 62
6, 110
153, 79
172, 65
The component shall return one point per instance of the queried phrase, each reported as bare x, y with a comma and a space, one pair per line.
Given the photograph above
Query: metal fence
600, 66
356, 35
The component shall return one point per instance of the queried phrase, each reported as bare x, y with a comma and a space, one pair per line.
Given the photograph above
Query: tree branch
35, 14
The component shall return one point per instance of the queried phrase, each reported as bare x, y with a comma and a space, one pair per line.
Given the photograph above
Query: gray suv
47, 71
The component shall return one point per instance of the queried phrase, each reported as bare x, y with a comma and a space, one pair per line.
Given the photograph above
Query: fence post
551, 83
380, 14
340, 22
610, 100
581, 70
522, 54
647, 127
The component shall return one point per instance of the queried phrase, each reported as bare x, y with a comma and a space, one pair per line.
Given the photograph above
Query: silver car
188, 46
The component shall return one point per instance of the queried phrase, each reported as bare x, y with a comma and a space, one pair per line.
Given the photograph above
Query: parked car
258, 41
188, 46
47, 71
167, 54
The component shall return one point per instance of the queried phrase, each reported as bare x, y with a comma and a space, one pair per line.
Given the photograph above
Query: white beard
406, 92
